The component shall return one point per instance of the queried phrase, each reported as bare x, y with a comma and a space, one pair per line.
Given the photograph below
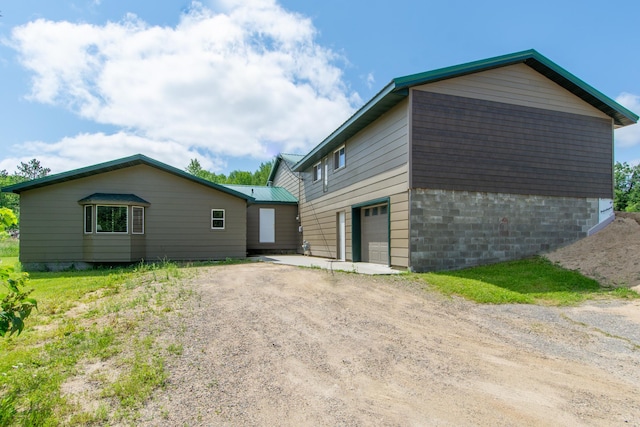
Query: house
477, 163
272, 219
128, 210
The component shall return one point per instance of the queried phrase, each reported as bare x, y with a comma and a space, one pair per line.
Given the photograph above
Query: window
339, 158
88, 219
317, 172
217, 219
325, 186
137, 220
111, 219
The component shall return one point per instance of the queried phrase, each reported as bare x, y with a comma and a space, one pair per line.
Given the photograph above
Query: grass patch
529, 281
103, 317
9, 248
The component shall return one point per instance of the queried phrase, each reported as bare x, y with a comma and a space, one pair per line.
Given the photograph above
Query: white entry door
342, 236
267, 225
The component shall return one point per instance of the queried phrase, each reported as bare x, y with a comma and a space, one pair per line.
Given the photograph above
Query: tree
32, 170
9, 200
626, 187
258, 177
195, 168
261, 176
15, 306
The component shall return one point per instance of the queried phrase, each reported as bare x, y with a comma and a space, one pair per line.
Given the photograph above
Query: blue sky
233, 82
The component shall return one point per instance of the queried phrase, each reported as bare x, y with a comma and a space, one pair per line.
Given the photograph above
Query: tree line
259, 177
626, 178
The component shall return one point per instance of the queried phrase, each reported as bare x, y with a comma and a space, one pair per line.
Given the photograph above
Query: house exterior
477, 163
272, 220
128, 210
483, 162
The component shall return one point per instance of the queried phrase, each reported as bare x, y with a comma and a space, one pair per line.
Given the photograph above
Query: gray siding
288, 239
287, 179
376, 167
478, 145
177, 224
381, 147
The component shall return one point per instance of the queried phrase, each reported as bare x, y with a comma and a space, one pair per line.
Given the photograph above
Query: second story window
317, 172
339, 159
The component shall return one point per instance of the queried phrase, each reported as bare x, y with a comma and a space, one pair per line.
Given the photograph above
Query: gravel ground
276, 345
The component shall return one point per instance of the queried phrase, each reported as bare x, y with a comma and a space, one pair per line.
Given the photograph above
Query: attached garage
374, 221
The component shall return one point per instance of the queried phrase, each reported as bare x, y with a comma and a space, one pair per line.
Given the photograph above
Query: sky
233, 83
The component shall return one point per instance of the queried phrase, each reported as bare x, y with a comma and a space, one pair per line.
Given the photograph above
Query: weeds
104, 316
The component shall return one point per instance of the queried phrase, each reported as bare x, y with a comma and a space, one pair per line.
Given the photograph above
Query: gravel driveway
277, 345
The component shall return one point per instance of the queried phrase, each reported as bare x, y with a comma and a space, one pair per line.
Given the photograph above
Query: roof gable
114, 165
398, 89
289, 160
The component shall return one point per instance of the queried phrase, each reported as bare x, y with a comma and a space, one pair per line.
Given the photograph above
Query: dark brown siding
477, 145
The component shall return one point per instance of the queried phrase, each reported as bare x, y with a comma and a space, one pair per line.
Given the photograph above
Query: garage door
375, 234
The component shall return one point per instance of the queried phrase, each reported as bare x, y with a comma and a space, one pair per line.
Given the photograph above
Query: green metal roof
399, 87
110, 198
123, 163
262, 194
289, 159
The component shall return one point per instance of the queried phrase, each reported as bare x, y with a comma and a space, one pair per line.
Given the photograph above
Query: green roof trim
110, 198
113, 165
263, 195
289, 159
398, 89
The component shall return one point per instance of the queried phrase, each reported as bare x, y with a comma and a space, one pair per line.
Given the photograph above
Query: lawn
528, 281
84, 318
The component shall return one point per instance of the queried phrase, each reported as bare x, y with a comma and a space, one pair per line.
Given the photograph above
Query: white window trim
224, 219
344, 155
106, 233
143, 215
317, 177
84, 219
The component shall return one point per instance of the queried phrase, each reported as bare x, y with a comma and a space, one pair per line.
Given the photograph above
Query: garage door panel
375, 234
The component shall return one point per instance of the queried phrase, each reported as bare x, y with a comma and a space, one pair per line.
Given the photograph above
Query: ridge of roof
289, 159
398, 89
125, 162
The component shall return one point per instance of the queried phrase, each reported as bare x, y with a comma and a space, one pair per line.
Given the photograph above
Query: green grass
87, 317
528, 281
9, 248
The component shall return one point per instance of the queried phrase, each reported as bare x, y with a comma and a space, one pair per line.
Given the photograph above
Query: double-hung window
88, 219
217, 219
317, 172
339, 158
137, 220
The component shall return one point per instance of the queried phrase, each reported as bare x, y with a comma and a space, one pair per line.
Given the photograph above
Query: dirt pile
611, 256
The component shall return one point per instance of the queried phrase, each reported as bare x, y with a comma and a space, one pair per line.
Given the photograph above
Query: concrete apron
328, 264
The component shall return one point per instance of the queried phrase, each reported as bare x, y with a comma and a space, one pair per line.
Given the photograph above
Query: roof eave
138, 159
388, 97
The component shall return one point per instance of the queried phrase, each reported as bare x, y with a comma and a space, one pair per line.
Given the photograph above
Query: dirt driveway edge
278, 345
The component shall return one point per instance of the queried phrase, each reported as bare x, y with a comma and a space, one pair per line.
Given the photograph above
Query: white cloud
249, 81
87, 149
628, 136
370, 80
